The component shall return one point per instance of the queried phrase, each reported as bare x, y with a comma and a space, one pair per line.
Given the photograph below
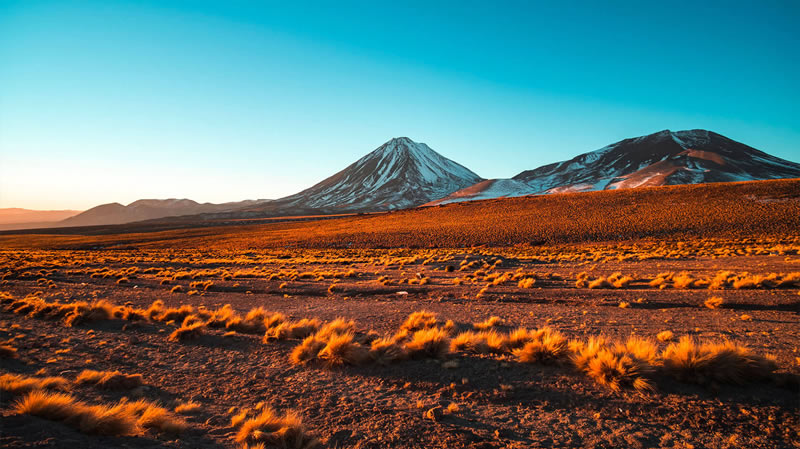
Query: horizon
225, 103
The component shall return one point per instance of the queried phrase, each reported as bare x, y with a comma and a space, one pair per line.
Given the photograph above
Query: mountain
115, 213
399, 174
17, 218
663, 158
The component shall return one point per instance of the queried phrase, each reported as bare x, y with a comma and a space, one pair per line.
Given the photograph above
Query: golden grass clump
600, 282
714, 302
293, 329
419, 320
97, 311
707, 363
90, 419
341, 349
188, 408
184, 333
339, 326
432, 342
19, 384
273, 430
386, 350
252, 323
489, 323
221, 316
526, 283
175, 314
616, 365
307, 351
481, 342
109, 380
617, 280
8, 352
518, 338
665, 336
548, 346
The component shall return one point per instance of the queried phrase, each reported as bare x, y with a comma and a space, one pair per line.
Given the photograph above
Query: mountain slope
663, 158
400, 173
115, 213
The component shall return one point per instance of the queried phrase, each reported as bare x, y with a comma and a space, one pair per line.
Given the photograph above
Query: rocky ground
463, 400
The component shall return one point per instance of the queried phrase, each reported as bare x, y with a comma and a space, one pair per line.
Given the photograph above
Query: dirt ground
461, 401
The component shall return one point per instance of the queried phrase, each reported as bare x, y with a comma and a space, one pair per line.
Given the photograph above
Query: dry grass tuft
109, 380
307, 351
97, 311
483, 342
190, 332
339, 326
19, 384
293, 329
8, 352
341, 349
616, 365
386, 350
706, 363
91, 419
714, 302
665, 336
433, 342
188, 408
273, 430
419, 321
491, 322
548, 346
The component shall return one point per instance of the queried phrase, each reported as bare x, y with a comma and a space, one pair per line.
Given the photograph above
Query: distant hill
115, 213
17, 218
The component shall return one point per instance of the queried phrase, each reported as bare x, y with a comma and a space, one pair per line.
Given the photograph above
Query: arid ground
679, 330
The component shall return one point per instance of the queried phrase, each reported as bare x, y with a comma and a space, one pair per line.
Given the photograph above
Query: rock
435, 414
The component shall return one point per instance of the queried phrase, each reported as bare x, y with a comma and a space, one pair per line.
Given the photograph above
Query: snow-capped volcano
400, 173
663, 158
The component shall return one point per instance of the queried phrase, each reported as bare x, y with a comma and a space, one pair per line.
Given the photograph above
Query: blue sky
224, 101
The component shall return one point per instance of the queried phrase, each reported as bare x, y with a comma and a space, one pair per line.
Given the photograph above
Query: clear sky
223, 101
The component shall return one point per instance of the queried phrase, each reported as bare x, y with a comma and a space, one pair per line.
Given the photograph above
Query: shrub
19, 384
616, 365
109, 380
188, 408
307, 351
97, 311
490, 322
549, 347
91, 419
705, 363
714, 302
342, 350
483, 342
189, 332
273, 430
386, 350
292, 329
665, 336
432, 342
419, 320
526, 283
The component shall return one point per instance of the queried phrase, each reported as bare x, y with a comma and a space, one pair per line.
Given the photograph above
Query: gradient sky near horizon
104, 101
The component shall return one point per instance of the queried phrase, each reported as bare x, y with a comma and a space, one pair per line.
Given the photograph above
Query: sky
113, 101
